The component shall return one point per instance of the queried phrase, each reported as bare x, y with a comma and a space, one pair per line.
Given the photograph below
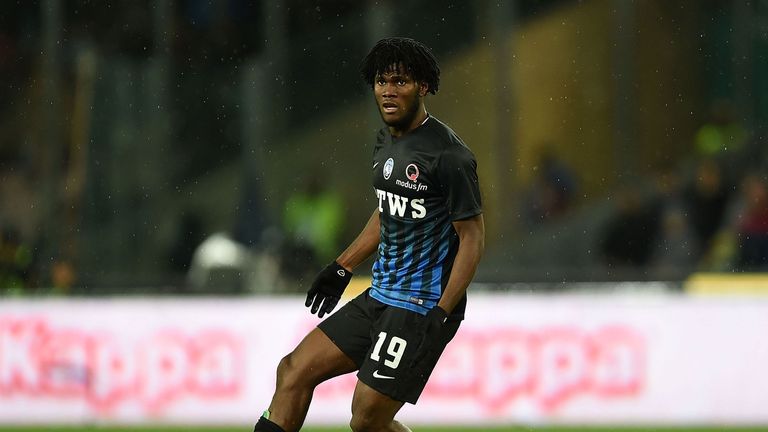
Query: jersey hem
398, 303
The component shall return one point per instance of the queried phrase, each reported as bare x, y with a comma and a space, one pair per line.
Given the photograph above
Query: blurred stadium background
212, 155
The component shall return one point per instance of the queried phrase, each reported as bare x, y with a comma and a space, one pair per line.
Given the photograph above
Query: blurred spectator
706, 199
20, 224
189, 235
20, 201
675, 252
253, 225
742, 242
630, 235
222, 265
63, 276
552, 188
312, 221
219, 265
721, 133
752, 225
15, 262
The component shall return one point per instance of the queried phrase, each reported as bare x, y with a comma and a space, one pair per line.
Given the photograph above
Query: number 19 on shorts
395, 350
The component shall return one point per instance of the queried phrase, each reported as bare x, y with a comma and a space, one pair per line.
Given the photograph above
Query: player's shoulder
449, 141
444, 134
441, 131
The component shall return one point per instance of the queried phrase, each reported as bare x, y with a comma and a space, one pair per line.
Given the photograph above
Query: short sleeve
457, 169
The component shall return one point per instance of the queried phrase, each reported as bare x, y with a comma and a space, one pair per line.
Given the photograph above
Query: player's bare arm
363, 246
331, 282
471, 234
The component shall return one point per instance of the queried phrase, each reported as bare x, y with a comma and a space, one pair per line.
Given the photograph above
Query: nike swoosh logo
376, 374
375, 165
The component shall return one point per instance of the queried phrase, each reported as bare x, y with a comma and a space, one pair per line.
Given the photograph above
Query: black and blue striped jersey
424, 181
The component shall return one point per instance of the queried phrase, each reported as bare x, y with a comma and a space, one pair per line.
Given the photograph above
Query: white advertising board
517, 359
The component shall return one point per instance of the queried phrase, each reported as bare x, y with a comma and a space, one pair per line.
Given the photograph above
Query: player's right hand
327, 288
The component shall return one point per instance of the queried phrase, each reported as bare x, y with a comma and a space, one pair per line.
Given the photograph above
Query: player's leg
374, 411
314, 360
337, 346
394, 371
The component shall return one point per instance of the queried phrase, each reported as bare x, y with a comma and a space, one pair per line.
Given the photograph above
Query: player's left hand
430, 332
327, 288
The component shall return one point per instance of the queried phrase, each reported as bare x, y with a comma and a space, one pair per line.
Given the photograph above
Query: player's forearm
363, 246
471, 245
464, 267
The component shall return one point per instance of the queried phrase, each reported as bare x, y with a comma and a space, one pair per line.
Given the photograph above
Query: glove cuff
340, 271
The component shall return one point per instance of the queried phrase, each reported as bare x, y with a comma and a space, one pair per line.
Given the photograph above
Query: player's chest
405, 171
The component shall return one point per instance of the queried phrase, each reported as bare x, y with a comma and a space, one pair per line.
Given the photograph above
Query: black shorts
382, 341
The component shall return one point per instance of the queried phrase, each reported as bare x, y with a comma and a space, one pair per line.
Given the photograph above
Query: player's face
399, 98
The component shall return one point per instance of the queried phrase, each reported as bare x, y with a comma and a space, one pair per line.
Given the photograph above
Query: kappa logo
388, 166
376, 374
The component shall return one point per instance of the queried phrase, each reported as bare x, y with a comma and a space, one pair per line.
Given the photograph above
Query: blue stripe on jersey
409, 269
407, 260
437, 275
402, 258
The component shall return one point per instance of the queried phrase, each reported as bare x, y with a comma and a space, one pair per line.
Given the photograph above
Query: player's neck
419, 119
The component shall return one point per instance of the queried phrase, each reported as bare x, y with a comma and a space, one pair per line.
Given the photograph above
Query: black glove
327, 288
430, 332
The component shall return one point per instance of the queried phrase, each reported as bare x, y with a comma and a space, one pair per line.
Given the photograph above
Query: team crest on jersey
412, 172
388, 165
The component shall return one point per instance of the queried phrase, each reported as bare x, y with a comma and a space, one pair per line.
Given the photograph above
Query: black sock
265, 425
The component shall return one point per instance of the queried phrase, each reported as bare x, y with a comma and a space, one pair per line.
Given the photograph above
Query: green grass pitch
415, 429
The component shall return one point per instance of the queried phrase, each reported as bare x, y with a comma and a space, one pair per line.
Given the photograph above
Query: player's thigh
350, 327
316, 359
397, 365
372, 407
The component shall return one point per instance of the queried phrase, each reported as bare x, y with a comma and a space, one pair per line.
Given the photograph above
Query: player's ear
423, 89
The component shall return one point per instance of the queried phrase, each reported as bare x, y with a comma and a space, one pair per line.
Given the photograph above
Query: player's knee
288, 372
359, 424
367, 423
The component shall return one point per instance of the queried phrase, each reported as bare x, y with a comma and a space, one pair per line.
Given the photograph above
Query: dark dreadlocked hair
415, 57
